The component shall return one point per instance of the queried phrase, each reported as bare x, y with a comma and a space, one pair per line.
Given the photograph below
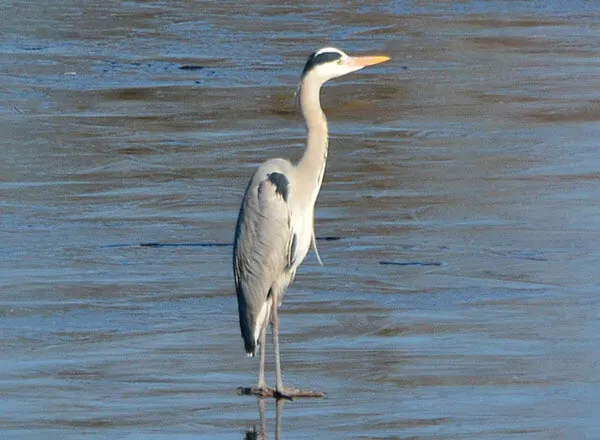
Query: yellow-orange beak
361, 62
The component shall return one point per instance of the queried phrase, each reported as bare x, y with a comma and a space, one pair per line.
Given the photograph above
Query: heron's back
261, 249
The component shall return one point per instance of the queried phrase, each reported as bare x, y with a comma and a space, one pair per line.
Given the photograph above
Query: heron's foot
292, 393
284, 393
260, 391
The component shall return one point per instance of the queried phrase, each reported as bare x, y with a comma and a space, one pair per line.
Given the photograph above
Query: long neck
311, 166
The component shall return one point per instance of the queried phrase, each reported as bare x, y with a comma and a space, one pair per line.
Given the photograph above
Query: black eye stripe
315, 60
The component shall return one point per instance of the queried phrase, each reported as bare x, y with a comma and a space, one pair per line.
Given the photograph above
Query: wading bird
275, 225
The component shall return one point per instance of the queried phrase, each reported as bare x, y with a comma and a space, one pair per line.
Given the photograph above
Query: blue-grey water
459, 298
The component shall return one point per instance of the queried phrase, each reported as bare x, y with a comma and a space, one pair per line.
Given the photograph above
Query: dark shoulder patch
281, 184
314, 60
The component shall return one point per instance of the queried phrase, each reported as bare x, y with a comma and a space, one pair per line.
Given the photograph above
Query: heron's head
330, 62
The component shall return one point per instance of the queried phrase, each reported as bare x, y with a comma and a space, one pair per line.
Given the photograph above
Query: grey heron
275, 229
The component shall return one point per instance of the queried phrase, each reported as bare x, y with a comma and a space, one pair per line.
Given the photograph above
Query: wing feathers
265, 248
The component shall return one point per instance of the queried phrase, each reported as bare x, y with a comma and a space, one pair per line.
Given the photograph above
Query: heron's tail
251, 350
252, 322
250, 343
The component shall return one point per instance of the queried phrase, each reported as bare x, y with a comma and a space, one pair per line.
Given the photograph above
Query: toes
256, 391
283, 393
291, 393
264, 392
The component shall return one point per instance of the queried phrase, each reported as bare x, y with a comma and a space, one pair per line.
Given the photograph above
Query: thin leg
275, 328
261, 389
280, 390
261, 369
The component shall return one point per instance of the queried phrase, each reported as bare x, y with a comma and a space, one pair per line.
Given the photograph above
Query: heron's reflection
260, 433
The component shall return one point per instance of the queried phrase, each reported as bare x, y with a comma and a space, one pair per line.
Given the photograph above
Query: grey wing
264, 250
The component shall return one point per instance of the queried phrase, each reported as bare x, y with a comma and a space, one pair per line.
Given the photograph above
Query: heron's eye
339, 61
